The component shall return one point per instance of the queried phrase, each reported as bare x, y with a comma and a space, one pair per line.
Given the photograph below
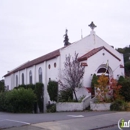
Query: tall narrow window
22, 78
40, 75
30, 77
16, 80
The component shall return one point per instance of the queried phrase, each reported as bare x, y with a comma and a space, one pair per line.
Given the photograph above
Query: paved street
63, 121
10, 120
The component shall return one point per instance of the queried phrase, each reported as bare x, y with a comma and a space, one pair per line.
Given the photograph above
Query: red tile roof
54, 54
121, 66
93, 52
36, 61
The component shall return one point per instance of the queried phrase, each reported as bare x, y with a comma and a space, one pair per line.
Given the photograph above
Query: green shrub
39, 94
2, 101
65, 95
120, 80
93, 83
51, 108
32, 86
128, 106
52, 89
125, 90
18, 101
38, 89
118, 105
127, 68
20, 86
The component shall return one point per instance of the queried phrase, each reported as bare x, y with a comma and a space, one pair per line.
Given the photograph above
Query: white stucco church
93, 52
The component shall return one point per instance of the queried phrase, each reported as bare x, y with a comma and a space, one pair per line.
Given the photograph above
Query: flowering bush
116, 89
102, 88
107, 90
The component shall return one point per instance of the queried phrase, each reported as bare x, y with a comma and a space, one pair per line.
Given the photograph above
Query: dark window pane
40, 75
22, 78
16, 80
30, 77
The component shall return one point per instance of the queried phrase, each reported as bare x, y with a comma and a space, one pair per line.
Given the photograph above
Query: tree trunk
75, 96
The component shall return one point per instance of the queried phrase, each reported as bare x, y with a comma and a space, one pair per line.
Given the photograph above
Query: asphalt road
8, 120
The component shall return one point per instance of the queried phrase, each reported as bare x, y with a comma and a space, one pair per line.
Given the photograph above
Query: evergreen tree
66, 39
126, 53
2, 87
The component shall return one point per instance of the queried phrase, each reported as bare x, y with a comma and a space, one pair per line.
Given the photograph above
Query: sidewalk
87, 123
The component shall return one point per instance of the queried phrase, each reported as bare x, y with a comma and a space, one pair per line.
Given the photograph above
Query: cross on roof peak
92, 25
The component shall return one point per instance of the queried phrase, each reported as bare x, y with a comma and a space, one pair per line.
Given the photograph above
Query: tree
72, 74
127, 69
125, 90
126, 53
2, 87
66, 40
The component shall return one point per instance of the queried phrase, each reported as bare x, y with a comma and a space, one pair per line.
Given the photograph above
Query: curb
104, 127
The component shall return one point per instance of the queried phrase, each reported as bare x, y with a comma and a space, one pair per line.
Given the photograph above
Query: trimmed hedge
18, 101
52, 89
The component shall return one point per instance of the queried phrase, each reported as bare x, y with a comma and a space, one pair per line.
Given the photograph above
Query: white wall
8, 82
53, 71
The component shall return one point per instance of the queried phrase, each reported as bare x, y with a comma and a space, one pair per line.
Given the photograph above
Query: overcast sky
32, 28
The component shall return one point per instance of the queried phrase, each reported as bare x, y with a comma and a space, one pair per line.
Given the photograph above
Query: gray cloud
31, 28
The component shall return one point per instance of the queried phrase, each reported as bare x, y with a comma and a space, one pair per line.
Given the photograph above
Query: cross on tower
92, 25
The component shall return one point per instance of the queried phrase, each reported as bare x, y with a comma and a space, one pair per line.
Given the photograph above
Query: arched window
103, 70
40, 75
30, 77
22, 78
16, 80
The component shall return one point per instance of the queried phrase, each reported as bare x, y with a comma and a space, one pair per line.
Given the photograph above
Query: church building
93, 52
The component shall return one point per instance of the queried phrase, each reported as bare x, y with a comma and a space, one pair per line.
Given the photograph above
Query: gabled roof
93, 52
36, 61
